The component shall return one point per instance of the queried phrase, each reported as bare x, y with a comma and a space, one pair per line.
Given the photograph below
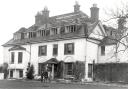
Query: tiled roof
57, 37
79, 18
108, 41
17, 47
23, 29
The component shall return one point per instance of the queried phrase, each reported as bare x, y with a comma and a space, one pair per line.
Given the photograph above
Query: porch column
52, 71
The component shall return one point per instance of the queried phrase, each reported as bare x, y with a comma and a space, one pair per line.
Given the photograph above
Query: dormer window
32, 34
22, 35
54, 31
42, 33
70, 29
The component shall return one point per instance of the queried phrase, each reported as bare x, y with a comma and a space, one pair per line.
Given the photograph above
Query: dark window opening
11, 73
102, 50
20, 56
42, 50
55, 49
69, 68
20, 73
12, 57
69, 48
90, 70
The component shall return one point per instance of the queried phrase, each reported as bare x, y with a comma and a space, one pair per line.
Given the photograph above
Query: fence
113, 72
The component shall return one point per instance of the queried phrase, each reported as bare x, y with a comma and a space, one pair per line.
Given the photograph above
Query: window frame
11, 73
102, 50
55, 49
69, 71
66, 49
20, 60
12, 57
40, 50
20, 73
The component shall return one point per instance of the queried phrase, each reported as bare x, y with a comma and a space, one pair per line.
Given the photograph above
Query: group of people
45, 76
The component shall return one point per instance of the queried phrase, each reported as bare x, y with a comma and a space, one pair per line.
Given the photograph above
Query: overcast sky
15, 14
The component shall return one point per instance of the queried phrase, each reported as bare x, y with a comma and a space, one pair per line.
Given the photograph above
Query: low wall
113, 72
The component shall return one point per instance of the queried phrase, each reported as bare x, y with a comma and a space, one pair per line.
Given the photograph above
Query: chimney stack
45, 13
94, 12
42, 17
76, 7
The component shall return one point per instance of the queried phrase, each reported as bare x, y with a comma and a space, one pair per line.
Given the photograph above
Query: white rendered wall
109, 54
81, 53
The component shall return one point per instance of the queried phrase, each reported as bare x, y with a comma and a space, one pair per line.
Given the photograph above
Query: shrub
30, 72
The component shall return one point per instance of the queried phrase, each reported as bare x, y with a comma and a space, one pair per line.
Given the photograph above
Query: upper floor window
42, 50
71, 28
20, 56
69, 48
32, 34
54, 31
55, 49
102, 50
22, 35
12, 57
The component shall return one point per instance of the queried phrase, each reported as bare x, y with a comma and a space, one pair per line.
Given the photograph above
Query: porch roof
52, 61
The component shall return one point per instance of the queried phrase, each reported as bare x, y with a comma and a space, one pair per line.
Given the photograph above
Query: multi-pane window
12, 57
32, 34
54, 31
71, 28
69, 68
102, 50
20, 73
20, 56
42, 50
55, 49
69, 48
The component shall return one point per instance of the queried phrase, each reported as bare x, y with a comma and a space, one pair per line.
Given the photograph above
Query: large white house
68, 37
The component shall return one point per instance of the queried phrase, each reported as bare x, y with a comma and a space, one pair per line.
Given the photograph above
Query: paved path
20, 84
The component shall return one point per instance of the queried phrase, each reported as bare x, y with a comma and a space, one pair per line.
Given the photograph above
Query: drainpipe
85, 60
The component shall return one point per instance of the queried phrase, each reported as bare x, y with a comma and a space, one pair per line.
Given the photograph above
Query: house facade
68, 37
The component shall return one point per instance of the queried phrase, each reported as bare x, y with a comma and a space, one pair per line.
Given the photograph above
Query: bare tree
120, 16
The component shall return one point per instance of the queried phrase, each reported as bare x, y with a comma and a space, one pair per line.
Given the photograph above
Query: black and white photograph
64, 44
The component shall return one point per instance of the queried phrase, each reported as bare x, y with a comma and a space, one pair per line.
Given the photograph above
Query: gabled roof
23, 29
85, 27
17, 47
52, 61
108, 41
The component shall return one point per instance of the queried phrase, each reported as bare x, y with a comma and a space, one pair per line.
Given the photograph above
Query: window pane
90, 70
69, 68
69, 48
20, 54
42, 50
102, 50
20, 73
12, 57
55, 49
11, 73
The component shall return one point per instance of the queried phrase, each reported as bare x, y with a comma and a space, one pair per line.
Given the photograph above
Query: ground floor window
20, 73
90, 70
11, 73
41, 67
69, 68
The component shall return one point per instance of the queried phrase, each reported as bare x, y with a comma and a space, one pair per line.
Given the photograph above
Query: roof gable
17, 48
97, 31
